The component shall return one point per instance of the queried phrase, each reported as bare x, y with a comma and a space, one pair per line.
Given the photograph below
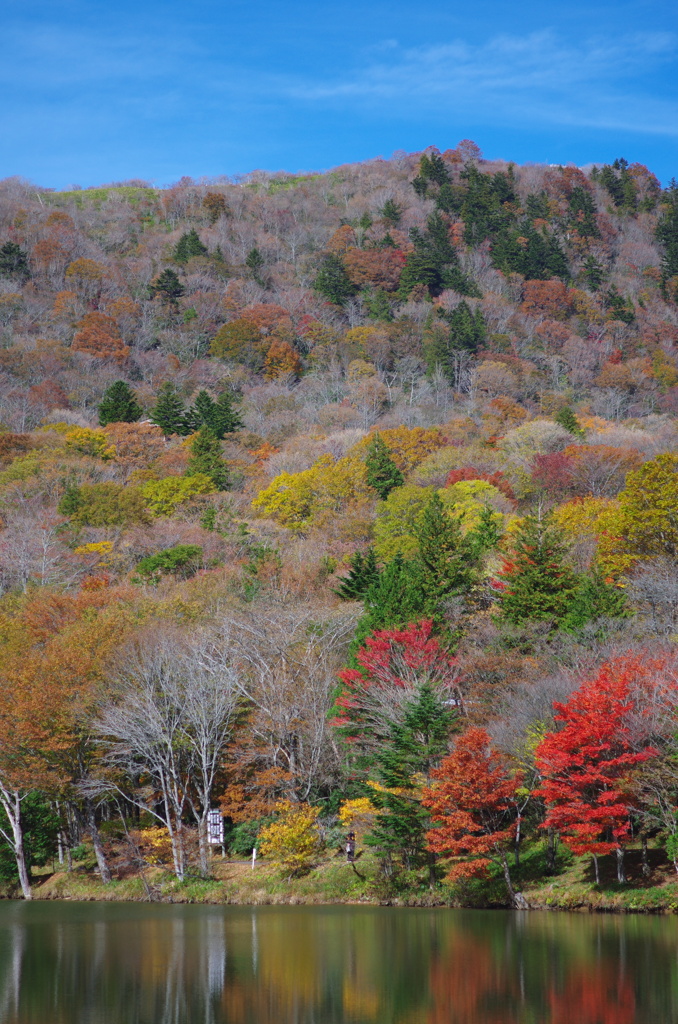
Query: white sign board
215, 828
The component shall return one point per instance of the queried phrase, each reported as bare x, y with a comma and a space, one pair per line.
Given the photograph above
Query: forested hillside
316, 493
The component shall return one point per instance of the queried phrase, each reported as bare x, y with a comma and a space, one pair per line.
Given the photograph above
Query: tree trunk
102, 863
11, 802
621, 873
647, 871
517, 899
203, 847
431, 870
517, 842
595, 868
551, 852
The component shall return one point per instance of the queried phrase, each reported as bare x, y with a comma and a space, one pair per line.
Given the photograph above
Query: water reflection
134, 964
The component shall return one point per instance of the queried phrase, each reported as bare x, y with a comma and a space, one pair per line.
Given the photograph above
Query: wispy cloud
538, 77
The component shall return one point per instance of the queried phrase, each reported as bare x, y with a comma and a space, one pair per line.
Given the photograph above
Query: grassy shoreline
333, 881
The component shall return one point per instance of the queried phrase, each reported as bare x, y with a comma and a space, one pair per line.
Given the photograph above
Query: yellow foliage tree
357, 815
301, 500
408, 445
601, 521
90, 442
292, 841
164, 496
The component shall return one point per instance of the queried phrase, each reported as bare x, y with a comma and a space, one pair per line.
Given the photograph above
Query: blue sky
93, 92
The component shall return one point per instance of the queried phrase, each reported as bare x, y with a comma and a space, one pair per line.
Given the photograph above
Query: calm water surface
89, 963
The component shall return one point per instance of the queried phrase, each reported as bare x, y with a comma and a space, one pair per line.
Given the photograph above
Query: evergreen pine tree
255, 262
538, 584
447, 567
485, 536
363, 573
189, 245
333, 282
567, 419
391, 212
219, 414
119, 405
168, 412
167, 286
382, 473
667, 230
206, 457
412, 750
434, 261
593, 599
13, 261
394, 600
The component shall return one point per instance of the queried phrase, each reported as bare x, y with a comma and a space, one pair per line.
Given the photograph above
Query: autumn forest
345, 504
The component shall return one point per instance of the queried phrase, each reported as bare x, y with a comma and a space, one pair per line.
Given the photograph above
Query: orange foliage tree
474, 808
98, 335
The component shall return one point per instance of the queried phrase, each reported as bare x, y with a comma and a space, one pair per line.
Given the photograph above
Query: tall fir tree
446, 559
168, 412
363, 573
219, 414
207, 457
382, 473
538, 584
567, 419
189, 245
119, 405
13, 261
167, 287
403, 763
395, 599
333, 281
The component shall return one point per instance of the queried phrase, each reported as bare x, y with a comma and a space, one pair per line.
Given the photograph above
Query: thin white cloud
534, 78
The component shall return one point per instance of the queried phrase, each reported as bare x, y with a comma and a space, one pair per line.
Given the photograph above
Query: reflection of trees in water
169, 965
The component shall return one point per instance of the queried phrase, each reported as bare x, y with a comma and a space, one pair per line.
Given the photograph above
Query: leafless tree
168, 725
287, 662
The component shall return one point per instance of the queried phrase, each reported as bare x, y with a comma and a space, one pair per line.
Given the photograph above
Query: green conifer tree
119, 405
382, 473
189, 245
593, 599
447, 566
363, 573
538, 583
395, 599
13, 261
333, 282
168, 412
567, 419
219, 414
412, 750
167, 287
255, 262
207, 457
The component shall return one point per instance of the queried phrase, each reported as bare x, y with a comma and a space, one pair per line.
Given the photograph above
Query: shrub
181, 560
164, 496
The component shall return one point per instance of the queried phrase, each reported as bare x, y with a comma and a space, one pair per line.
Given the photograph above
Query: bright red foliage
586, 765
394, 663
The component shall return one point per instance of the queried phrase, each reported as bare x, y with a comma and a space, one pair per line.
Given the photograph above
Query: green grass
97, 196
332, 880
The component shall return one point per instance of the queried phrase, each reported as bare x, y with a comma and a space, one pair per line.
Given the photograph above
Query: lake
122, 963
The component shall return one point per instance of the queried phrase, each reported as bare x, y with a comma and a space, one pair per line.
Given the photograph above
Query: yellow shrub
163, 496
292, 841
90, 442
357, 815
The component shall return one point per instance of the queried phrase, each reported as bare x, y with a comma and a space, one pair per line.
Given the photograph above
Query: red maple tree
473, 807
586, 765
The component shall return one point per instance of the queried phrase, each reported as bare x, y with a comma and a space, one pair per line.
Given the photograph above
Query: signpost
215, 829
